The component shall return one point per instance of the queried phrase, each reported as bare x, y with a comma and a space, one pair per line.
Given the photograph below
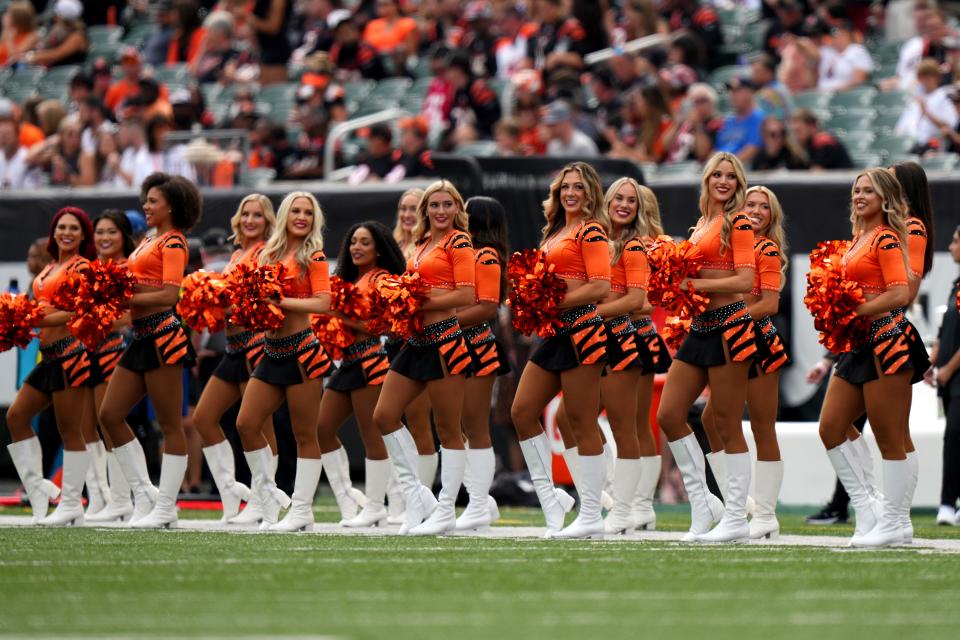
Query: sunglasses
774, 133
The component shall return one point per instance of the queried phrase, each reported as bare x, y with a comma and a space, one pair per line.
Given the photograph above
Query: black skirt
891, 347
292, 360
233, 368
364, 364
63, 364
715, 333
582, 341
487, 353
622, 348
439, 350
104, 361
771, 350
919, 358
652, 350
158, 340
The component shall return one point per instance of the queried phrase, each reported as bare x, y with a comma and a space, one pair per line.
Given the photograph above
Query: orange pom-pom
670, 263
332, 334
255, 292
101, 292
535, 292
674, 331
18, 316
203, 301
395, 304
348, 300
833, 300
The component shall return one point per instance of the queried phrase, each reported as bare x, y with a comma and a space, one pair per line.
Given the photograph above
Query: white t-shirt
136, 163
911, 53
920, 128
13, 170
837, 68
510, 56
580, 145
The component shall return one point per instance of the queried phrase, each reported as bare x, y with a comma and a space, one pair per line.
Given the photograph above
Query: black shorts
364, 364
437, 351
158, 340
293, 359
486, 351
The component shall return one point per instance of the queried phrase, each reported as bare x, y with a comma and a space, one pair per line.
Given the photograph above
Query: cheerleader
656, 359
763, 387
113, 238
488, 230
717, 351
435, 359
368, 252
153, 362
252, 224
60, 377
575, 242
293, 366
876, 375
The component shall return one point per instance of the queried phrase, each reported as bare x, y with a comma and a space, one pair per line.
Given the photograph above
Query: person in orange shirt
129, 83
19, 33
185, 45
391, 32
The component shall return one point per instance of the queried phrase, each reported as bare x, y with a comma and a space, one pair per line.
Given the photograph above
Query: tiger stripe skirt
159, 340
889, 351
364, 364
581, 341
488, 355
772, 353
293, 359
437, 351
716, 333
63, 364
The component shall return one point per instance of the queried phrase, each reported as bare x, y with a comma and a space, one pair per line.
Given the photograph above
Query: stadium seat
854, 98
886, 121
136, 36
892, 144
391, 88
890, 101
813, 100
721, 75
862, 120
887, 52
104, 33
257, 177
856, 141
679, 169
942, 162
171, 73
483, 148
357, 91
866, 160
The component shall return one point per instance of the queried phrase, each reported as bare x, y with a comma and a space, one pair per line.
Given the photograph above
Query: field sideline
118, 583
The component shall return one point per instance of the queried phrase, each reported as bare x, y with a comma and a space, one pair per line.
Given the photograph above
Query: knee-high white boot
373, 514
220, 461
571, 457
644, 516
767, 482
554, 502
444, 518
396, 505
626, 477
28, 459
120, 507
354, 493
164, 514
482, 509
419, 499
889, 528
705, 508
70, 509
98, 493
733, 526
589, 522
862, 450
133, 464
610, 464
339, 479
300, 515
850, 472
718, 465
268, 497
427, 469
913, 465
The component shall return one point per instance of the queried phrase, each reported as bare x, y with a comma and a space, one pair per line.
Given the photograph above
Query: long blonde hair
268, 215
639, 228
404, 238
731, 206
278, 244
460, 221
774, 230
893, 205
651, 209
593, 208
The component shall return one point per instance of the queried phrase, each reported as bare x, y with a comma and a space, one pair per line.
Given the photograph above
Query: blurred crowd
104, 93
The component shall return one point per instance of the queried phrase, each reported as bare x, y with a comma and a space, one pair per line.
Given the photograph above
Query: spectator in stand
787, 25
560, 39
218, 59
95, 119
638, 18
646, 124
377, 161
65, 41
134, 163
105, 160
153, 97
157, 44
353, 57
270, 20
13, 157
58, 157
740, 132
822, 149
603, 84
102, 77
316, 33
929, 112
49, 115
413, 158
391, 34
533, 137
701, 21
928, 43
478, 38
566, 140
693, 134
844, 63
799, 63
19, 33
515, 31
438, 100
779, 151
128, 84
685, 49
952, 136
506, 134
772, 97
80, 88
475, 107
186, 40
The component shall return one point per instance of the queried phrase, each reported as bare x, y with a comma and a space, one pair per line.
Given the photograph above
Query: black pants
950, 488
840, 500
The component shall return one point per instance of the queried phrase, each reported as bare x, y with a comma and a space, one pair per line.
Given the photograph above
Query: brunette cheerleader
763, 302
717, 351
656, 360
875, 376
435, 359
113, 238
575, 242
368, 252
252, 224
488, 230
60, 377
153, 362
293, 366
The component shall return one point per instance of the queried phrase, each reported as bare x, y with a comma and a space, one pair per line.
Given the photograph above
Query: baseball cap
137, 222
129, 54
417, 123
6, 109
68, 9
557, 112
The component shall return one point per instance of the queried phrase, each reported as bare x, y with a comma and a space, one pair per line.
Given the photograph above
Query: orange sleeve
893, 266
916, 245
768, 266
174, 256
636, 265
488, 276
595, 250
460, 250
319, 274
741, 240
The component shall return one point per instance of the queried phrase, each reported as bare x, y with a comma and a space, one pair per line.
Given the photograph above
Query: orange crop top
768, 275
488, 275
706, 240
632, 270
249, 257
916, 245
160, 260
876, 260
365, 282
315, 283
45, 285
450, 264
582, 254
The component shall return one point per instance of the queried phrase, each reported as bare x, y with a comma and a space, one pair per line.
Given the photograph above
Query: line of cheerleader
603, 356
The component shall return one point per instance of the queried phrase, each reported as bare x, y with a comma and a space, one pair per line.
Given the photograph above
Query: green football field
102, 583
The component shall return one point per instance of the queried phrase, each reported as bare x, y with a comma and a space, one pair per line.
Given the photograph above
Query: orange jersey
876, 260
450, 264
314, 283
488, 275
385, 37
632, 270
739, 255
916, 245
768, 274
45, 285
249, 257
581, 254
160, 260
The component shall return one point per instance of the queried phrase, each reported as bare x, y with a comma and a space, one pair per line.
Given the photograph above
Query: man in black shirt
823, 150
777, 152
